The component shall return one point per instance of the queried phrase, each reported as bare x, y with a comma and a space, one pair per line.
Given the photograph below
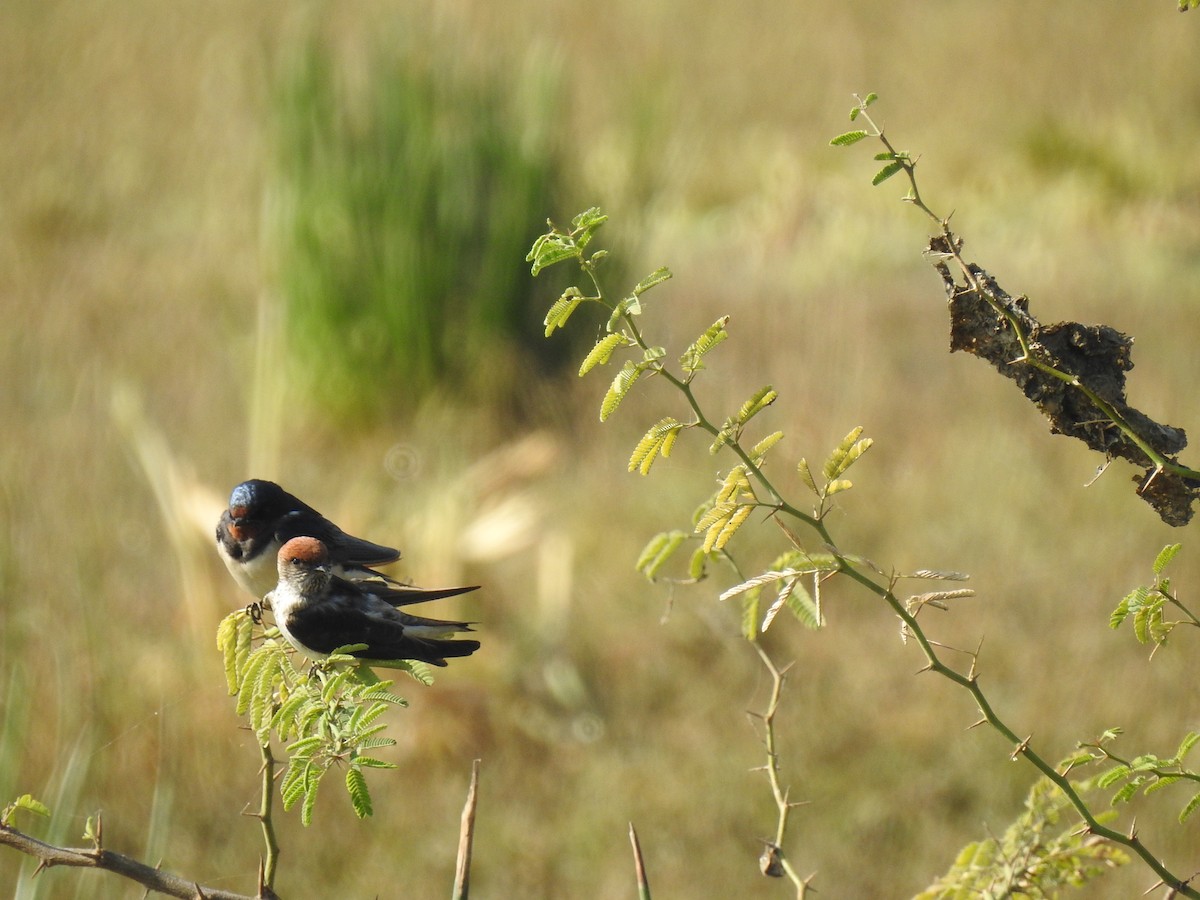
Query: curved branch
148, 877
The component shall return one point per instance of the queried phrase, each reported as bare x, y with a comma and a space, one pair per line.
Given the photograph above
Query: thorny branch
152, 879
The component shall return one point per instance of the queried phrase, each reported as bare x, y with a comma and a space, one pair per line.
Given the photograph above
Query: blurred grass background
148, 257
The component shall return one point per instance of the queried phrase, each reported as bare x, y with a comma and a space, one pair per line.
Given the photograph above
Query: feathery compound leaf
1186, 812
658, 276
698, 563
620, 386
550, 249
370, 762
759, 452
600, 354
1185, 746
586, 223
757, 582
247, 689
781, 598
562, 308
762, 398
720, 532
850, 137
887, 172
656, 553
360, 796
310, 799
724, 436
803, 607
734, 485
713, 335
806, 475
750, 607
837, 486
716, 513
1165, 555
850, 449
227, 642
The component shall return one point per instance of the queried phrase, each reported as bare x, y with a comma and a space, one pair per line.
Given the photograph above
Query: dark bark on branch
87, 858
1097, 356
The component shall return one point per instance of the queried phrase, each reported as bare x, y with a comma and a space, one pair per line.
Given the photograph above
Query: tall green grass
406, 197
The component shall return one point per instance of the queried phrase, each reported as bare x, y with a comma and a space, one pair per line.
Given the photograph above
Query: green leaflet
1186, 812
620, 386
656, 553
356, 787
659, 439
713, 335
759, 452
1165, 556
550, 249
658, 276
848, 138
762, 398
600, 354
27, 803
561, 309
849, 450
887, 172
721, 523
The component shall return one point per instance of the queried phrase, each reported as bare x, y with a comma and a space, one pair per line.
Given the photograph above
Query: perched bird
262, 517
317, 612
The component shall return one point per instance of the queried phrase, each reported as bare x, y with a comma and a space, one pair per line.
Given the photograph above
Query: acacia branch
149, 877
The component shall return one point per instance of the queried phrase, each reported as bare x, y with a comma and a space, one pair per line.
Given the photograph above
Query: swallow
317, 611
262, 517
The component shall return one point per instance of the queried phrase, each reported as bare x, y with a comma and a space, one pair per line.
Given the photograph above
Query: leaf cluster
743, 487
1145, 605
1146, 774
326, 714
1039, 854
25, 802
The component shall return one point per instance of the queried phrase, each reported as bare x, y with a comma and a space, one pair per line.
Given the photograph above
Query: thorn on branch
1020, 749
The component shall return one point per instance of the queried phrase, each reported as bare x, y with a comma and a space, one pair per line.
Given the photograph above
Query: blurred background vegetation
286, 240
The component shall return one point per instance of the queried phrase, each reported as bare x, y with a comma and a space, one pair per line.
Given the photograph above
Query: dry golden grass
133, 263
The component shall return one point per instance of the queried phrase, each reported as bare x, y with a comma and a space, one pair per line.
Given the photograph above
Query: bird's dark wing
336, 622
345, 548
404, 595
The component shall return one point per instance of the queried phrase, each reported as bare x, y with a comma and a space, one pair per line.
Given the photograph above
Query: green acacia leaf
750, 606
886, 172
624, 380
712, 336
659, 439
759, 451
585, 225
1188, 742
850, 137
870, 98
658, 276
562, 308
1126, 793
310, 801
360, 796
1186, 812
1165, 555
806, 475
844, 456
603, 351
761, 399
802, 605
